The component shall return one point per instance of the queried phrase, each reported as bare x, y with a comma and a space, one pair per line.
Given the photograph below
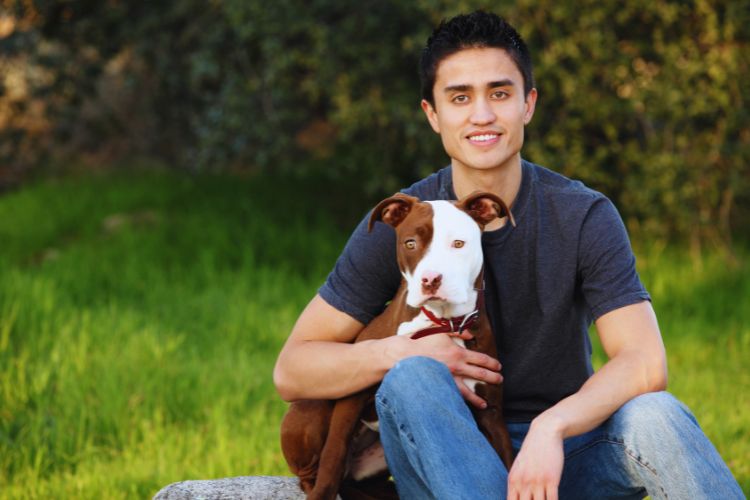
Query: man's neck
504, 181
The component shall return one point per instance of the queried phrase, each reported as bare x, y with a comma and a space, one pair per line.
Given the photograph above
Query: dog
333, 446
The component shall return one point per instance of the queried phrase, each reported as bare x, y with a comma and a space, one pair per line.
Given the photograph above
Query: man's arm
319, 361
637, 365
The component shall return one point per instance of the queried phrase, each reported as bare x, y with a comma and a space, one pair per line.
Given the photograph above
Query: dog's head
439, 243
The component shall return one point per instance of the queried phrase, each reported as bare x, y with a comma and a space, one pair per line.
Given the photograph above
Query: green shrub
644, 101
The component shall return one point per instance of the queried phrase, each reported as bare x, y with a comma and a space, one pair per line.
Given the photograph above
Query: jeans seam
632, 455
383, 402
637, 459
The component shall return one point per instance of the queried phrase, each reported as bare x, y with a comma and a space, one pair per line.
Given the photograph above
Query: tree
644, 101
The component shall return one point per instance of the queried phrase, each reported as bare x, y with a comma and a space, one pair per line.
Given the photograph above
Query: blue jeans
651, 446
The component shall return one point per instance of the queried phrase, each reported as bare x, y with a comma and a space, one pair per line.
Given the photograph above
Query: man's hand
463, 363
536, 472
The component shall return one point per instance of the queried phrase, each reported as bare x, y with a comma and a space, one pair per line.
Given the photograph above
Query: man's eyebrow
458, 88
464, 87
501, 83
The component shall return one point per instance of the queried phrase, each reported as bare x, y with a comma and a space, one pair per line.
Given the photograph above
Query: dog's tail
335, 453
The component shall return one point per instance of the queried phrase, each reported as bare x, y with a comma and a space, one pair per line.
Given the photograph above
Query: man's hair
476, 30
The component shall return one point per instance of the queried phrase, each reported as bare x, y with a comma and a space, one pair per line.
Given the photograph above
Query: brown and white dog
333, 446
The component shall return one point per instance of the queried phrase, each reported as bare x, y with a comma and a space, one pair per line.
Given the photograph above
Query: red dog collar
447, 325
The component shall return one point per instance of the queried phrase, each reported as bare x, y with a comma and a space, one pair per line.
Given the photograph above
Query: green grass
141, 314
139, 322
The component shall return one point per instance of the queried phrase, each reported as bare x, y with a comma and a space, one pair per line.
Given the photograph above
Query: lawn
141, 314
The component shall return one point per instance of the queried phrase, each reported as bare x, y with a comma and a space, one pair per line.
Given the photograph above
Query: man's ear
530, 106
429, 111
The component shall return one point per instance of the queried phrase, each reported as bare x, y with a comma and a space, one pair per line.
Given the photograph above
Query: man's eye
461, 99
410, 244
458, 244
500, 94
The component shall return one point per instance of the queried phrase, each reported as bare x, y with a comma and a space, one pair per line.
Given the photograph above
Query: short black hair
476, 30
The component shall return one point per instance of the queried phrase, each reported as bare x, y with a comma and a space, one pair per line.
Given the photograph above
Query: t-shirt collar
519, 204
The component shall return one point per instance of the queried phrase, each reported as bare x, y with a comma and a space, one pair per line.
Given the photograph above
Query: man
568, 262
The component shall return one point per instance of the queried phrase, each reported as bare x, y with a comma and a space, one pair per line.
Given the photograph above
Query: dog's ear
392, 210
485, 207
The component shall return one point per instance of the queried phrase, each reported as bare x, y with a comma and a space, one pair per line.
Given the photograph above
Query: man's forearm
330, 370
637, 365
624, 377
538, 467
320, 360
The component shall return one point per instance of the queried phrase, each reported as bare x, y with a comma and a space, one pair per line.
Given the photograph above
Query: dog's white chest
422, 322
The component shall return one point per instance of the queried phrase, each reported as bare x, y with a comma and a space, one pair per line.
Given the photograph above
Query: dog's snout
431, 281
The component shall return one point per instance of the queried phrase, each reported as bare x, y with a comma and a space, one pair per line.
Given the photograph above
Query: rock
234, 488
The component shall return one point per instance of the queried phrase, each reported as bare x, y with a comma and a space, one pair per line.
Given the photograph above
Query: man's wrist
550, 423
386, 352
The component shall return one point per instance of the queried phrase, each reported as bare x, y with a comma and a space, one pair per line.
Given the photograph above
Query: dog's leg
335, 454
489, 419
303, 434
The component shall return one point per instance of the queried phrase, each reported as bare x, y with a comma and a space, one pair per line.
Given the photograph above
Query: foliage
643, 101
646, 100
140, 316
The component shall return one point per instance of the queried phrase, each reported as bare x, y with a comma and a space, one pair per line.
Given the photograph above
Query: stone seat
234, 488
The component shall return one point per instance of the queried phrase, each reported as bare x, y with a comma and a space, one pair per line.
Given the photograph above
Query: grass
141, 314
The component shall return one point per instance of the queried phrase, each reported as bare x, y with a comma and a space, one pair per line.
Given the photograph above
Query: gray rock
234, 488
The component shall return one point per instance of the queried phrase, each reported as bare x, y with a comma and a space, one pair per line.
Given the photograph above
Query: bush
643, 101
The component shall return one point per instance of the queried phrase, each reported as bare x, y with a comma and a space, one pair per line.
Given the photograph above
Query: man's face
480, 108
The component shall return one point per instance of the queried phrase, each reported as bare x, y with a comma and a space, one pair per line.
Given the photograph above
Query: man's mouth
485, 138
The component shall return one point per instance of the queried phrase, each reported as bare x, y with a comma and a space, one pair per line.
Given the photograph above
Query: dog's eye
410, 244
458, 244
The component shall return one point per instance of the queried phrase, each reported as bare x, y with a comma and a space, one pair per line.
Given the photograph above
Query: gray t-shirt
567, 262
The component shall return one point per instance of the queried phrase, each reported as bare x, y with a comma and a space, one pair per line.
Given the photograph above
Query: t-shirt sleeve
366, 274
606, 262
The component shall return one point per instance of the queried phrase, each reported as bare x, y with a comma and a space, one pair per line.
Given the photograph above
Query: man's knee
655, 413
413, 378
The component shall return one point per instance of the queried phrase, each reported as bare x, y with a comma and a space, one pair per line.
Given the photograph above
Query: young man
566, 263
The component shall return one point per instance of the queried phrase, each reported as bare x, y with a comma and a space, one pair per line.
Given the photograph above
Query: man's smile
483, 138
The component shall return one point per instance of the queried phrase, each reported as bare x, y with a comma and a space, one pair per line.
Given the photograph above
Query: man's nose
482, 112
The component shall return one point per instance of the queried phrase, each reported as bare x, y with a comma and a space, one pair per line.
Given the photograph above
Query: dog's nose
431, 281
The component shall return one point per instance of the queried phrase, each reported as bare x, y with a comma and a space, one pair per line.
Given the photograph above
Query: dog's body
333, 446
